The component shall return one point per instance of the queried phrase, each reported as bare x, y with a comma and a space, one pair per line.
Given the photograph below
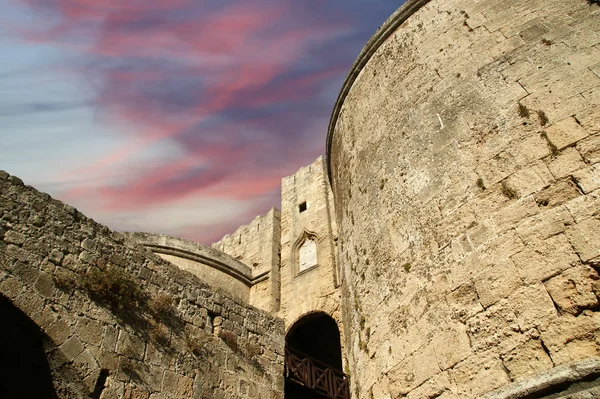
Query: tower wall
464, 159
316, 287
257, 245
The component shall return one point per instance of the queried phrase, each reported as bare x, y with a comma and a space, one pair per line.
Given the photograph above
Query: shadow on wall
23, 366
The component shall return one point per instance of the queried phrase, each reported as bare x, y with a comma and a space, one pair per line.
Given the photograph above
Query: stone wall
258, 245
316, 288
119, 319
464, 158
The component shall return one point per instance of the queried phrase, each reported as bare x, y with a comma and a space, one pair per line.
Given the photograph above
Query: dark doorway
312, 346
23, 365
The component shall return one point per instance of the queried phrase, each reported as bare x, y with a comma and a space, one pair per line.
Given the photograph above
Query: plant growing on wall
113, 287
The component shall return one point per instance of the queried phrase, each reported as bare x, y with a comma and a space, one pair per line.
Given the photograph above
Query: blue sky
172, 116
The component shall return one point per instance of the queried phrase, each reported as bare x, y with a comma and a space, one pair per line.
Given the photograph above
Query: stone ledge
553, 381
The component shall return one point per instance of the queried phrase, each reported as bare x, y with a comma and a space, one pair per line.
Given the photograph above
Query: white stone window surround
307, 255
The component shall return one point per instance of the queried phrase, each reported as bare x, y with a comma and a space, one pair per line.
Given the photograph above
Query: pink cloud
227, 85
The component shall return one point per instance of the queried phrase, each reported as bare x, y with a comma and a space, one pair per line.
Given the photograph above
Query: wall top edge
181, 245
380, 36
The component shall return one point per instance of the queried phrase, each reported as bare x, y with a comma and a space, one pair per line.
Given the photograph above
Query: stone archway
314, 359
23, 365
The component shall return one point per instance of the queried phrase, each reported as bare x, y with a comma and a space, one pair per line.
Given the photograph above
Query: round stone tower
464, 156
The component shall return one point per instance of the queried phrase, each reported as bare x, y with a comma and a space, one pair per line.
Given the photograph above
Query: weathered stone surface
585, 242
568, 161
565, 133
72, 348
478, 375
526, 359
575, 289
542, 259
486, 188
572, 338
87, 333
558, 193
554, 382
14, 237
588, 179
590, 147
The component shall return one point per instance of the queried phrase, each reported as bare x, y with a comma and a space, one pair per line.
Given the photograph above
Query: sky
173, 116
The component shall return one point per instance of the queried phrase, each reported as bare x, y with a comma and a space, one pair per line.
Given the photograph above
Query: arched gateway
23, 365
313, 360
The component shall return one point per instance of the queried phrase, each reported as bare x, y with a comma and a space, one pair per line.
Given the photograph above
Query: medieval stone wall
306, 211
465, 170
257, 245
119, 319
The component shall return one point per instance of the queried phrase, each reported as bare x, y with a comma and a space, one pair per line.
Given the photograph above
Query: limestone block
438, 386
481, 234
568, 161
512, 215
113, 389
14, 237
413, 371
588, 179
533, 306
58, 332
381, 389
497, 281
133, 392
45, 285
452, 345
565, 133
497, 326
89, 331
56, 257
579, 331
109, 341
576, 350
464, 302
527, 359
585, 207
130, 345
590, 120
85, 362
11, 288
14, 252
545, 225
558, 193
479, 374
542, 259
89, 244
530, 179
573, 290
178, 385
584, 58
71, 348
585, 238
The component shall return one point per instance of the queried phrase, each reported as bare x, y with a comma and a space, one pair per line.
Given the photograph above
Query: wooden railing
313, 374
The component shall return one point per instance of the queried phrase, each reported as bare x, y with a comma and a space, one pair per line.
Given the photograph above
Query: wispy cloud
235, 86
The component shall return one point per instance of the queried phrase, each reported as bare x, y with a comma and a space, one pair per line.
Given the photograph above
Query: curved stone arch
330, 306
60, 346
304, 236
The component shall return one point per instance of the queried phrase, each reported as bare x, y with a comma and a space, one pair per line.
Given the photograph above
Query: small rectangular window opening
302, 207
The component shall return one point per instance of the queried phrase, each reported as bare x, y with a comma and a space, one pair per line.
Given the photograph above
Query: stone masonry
452, 232
182, 339
464, 157
258, 245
